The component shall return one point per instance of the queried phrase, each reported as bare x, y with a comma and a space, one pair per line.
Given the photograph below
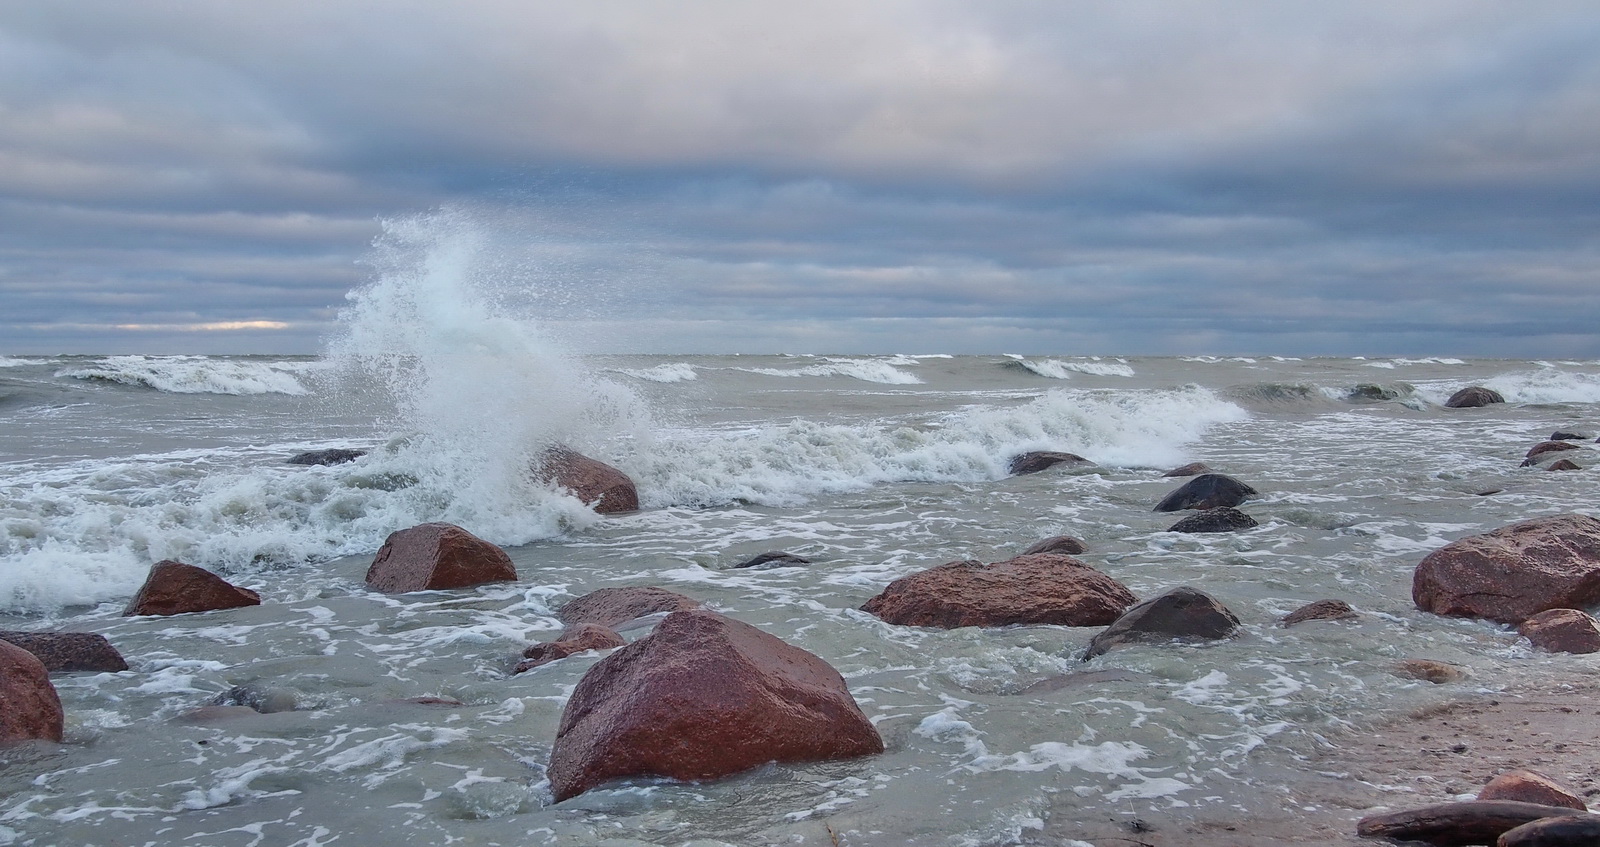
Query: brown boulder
578, 638
1044, 588
604, 488
1206, 491
1428, 670
1220, 519
1513, 572
1562, 631
69, 651
436, 556
1530, 787
1563, 465
1542, 451
29, 706
1577, 830
174, 588
1184, 613
1473, 397
610, 607
1191, 469
704, 697
1321, 610
1066, 545
1470, 822
1039, 460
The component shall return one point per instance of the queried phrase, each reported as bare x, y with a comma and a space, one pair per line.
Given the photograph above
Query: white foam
883, 371
198, 374
669, 372
1064, 368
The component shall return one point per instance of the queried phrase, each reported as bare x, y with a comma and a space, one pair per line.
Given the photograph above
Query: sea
873, 467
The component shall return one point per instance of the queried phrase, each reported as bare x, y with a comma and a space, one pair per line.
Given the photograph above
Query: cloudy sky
1120, 177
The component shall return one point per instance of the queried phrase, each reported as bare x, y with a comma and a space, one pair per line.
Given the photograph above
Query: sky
719, 176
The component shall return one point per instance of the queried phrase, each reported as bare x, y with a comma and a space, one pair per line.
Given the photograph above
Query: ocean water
871, 466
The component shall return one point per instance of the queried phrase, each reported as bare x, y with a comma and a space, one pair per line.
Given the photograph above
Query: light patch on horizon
209, 326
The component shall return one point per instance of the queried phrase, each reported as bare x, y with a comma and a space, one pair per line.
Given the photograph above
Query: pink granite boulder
1530, 787
1514, 572
436, 556
576, 639
599, 485
1044, 588
1562, 631
174, 588
612, 607
30, 709
69, 651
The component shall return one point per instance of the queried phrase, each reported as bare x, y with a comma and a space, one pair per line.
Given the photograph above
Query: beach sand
1438, 754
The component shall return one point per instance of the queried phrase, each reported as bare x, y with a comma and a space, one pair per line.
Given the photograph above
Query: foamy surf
197, 374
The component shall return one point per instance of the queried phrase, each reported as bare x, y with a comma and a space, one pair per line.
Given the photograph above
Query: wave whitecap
197, 374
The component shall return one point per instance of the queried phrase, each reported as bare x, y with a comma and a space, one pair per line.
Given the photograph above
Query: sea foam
197, 374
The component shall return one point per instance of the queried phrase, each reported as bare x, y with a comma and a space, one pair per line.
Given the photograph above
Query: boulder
1039, 460
263, 700
704, 697
69, 651
1565, 435
437, 556
599, 485
1530, 787
1321, 610
1562, 631
1563, 465
610, 607
1043, 588
1184, 613
1469, 822
578, 638
1191, 469
174, 588
1206, 491
333, 456
1544, 449
1368, 392
1578, 830
1513, 572
1428, 670
30, 709
1220, 519
1473, 397
774, 560
1066, 545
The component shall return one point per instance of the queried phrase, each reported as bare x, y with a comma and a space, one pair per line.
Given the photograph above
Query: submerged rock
69, 651
1530, 787
1043, 588
1206, 491
1065, 545
774, 560
602, 487
1563, 465
1513, 572
1565, 435
704, 697
1428, 670
437, 556
30, 708
578, 638
265, 701
1562, 631
174, 588
1191, 469
333, 456
1544, 449
1184, 613
1040, 460
1321, 610
1473, 397
1220, 519
611, 607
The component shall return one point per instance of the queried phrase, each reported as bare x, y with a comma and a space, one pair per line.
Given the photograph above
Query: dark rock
1065, 545
437, 556
604, 488
1044, 588
1470, 822
1530, 787
69, 651
578, 638
1321, 610
1513, 572
774, 560
1206, 491
1427, 670
1473, 397
1563, 435
334, 456
1563, 465
1562, 631
30, 709
174, 588
1544, 448
1368, 392
1578, 830
610, 607
263, 700
1183, 613
1220, 519
1041, 459
704, 697
1191, 469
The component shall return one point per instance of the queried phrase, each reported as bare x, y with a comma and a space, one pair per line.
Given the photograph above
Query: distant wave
670, 372
197, 374
14, 362
1064, 368
868, 370
1390, 364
